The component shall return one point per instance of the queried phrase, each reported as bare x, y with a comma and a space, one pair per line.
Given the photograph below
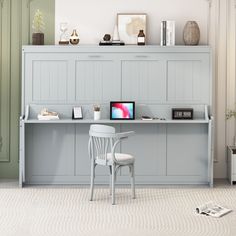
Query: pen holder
96, 112
97, 115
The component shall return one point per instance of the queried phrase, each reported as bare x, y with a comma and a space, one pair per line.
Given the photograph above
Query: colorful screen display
122, 111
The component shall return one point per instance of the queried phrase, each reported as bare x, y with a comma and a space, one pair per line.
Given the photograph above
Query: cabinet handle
94, 56
141, 56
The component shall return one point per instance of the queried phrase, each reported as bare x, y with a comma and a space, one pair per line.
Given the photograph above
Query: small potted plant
97, 112
38, 27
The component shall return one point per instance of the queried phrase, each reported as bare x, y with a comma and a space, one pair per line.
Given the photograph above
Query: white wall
94, 18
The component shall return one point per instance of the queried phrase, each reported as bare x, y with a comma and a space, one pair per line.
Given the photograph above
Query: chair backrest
102, 129
100, 142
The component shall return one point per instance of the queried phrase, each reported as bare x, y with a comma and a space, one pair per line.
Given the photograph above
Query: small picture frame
77, 113
129, 25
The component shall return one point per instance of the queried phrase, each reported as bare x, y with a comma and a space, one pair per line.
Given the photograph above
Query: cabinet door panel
148, 146
82, 163
97, 81
187, 150
188, 81
50, 150
49, 78
143, 80
50, 81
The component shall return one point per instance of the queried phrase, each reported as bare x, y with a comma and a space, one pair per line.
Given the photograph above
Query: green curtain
15, 30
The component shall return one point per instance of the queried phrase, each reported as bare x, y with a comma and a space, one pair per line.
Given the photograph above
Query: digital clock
182, 113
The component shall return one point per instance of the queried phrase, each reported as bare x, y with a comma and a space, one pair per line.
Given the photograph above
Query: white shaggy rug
158, 211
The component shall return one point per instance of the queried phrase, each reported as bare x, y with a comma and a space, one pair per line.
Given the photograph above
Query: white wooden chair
102, 139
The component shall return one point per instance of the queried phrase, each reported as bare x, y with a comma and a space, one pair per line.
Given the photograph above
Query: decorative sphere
107, 37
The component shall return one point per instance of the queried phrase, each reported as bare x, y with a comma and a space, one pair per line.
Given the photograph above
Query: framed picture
77, 113
129, 26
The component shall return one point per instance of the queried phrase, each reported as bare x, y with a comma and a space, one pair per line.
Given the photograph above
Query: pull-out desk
169, 158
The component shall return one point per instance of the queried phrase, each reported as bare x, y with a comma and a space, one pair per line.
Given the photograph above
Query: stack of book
48, 115
168, 33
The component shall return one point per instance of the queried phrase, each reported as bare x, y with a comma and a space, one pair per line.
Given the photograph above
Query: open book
212, 209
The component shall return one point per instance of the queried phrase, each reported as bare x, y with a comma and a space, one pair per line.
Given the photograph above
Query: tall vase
191, 33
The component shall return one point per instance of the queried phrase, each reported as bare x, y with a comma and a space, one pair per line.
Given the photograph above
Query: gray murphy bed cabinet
156, 78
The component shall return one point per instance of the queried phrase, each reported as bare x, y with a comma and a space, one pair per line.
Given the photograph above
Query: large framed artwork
129, 25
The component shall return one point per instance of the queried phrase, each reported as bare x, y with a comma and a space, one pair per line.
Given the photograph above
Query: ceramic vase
74, 38
191, 33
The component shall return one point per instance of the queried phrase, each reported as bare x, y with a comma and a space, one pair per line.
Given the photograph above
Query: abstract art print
129, 26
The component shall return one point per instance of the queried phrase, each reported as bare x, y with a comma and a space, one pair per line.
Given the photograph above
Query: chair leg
92, 180
110, 180
113, 184
132, 181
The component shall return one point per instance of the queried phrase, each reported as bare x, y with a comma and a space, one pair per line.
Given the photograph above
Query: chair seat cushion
121, 158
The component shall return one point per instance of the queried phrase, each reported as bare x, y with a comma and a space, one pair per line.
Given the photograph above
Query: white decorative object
116, 36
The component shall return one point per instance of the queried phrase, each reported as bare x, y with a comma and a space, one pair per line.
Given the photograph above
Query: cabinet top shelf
86, 121
118, 49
